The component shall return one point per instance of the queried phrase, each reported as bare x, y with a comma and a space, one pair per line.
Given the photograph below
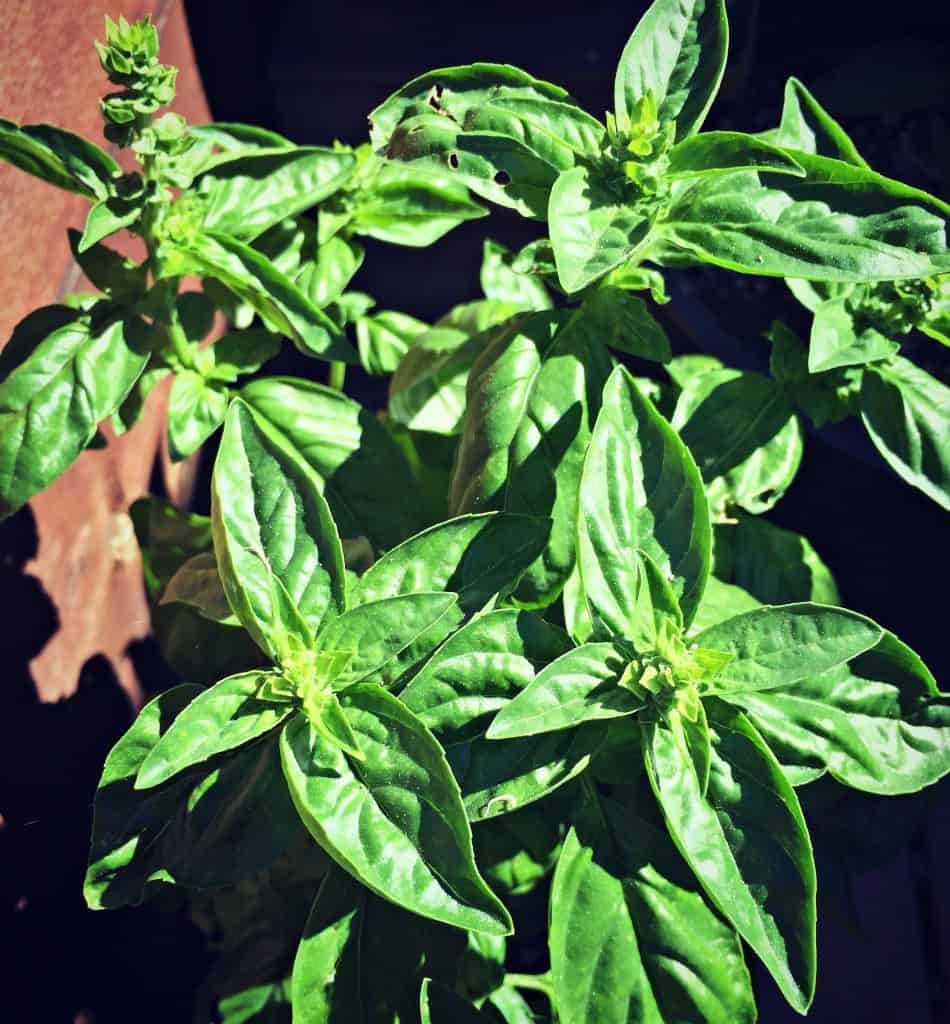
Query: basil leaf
326, 278
197, 584
244, 196
516, 851
808, 127
580, 686
594, 225
640, 489
836, 340
721, 601
744, 435
498, 778
490, 164
59, 157
61, 373
479, 669
440, 1005
525, 434
196, 408
878, 724
721, 152
203, 831
500, 281
839, 223
623, 322
395, 820
656, 948
167, 537
427, 391
776, 646
234, 355
475, 557
255, 280
227, 716
384, 338
382, 640
905, 411
355, 462
359, 959
677, 53
746, 842
108, 270
778, 565
413, 206
276, 544
106, 218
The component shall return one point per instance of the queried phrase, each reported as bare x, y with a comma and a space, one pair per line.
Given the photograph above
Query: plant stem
337, 375
181, 346
535, 982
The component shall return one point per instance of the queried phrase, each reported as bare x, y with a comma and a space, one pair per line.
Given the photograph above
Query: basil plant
525, 638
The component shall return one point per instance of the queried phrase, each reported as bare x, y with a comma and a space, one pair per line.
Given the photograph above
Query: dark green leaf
776, 646
384, 338
395, 820
808, 127
196, 408
907, 414
480, 669
106, 218
640, 489
59, 157
877, 724
677, 53
616, 318
746, 841
501, 282
276, 544
720, 152
363, 475
836, 340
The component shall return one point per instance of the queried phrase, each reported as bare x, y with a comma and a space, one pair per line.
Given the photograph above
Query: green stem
337, 375
534, 982
181, 346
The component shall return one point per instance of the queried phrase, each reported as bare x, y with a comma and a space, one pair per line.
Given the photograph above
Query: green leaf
721, 601
282, 306
167, 537
677, 54
58, 157
108, 270
384, 338
580, 686
721, 152
379, 641
530, 399
498, 778
744, 435
237, 354
394, 821
412, 205
359, 959
492, 165
226, 717
776, 646
61, 373
326, 278
516, 851
501, 282
777, 565
640, 489
244, 196
905, 411
107, 217
836, 340
201, 831
363, 475
808, 127
878, 724
479, 669
635, 941
427, 391
623, 322
595, 225
440, 1005
476, 557
197, 584
276, 544
746, 842
839, 223
196, 408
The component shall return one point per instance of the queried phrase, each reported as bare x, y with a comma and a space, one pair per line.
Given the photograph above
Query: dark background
313, 72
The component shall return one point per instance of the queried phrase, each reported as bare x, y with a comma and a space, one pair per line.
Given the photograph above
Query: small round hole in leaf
502, 178
454, 161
